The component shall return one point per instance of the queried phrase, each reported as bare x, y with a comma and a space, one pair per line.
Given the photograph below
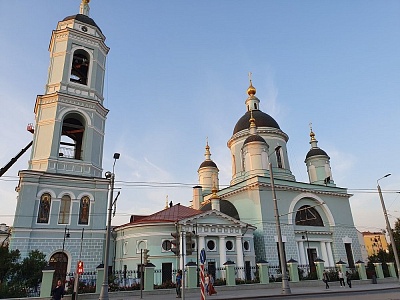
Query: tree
30, 270
8, 263
17, 277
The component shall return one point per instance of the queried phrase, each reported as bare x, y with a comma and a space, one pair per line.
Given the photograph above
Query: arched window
279, 157
308, 216
84, 210
65, 207
44, 208
80, 67
72, 136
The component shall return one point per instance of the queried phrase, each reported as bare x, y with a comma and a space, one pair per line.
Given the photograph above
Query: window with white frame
166, 246
125, 248
211, 245
246, 246
141, 245
229, 246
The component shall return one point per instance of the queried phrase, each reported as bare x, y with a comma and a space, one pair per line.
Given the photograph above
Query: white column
303, 260
222, 254
239, 258
330, 255
202, 244
324, 254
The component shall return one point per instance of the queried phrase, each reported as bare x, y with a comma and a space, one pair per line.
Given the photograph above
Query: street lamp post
285, 281
104, 287
308, 247
388, 228
61, 259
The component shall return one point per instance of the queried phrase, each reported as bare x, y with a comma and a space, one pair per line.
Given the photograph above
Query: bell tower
70, 117
63, 190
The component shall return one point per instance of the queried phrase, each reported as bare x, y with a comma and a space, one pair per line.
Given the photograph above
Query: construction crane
31, 129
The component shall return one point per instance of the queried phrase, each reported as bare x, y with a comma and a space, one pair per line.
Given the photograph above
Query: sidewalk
256, 291
247, 291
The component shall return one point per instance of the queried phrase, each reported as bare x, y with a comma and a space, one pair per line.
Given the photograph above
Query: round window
229, 245
211, 245
246, 245
166, 245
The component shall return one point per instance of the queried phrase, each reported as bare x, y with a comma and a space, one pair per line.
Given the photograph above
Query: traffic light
175, 243
189, 243
80, 267
146, 256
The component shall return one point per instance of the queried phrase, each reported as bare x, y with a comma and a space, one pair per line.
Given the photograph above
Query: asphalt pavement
250, 291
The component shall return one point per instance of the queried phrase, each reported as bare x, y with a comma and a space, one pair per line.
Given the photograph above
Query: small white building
224, 239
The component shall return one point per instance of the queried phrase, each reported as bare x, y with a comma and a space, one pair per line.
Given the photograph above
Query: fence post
99, 277
342, 266
392, 271
293, 270
149, 277
263, 271
230, 273
319, 265
378, 270
191, 281
47, 281
361, 270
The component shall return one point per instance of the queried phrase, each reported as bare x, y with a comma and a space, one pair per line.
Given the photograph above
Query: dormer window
80, 67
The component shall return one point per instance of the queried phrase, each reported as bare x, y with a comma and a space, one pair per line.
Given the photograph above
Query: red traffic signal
80, 267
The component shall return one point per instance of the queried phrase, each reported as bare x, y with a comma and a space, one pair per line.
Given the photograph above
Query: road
390, 294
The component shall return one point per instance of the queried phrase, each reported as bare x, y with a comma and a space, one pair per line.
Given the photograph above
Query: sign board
202, 256
80, 267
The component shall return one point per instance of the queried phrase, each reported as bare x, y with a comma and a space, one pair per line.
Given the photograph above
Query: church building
315, 217
62, 195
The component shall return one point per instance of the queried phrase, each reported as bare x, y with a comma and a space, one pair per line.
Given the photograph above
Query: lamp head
108, 174
116, 155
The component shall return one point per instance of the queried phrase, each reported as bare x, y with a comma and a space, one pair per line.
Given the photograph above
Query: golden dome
251, 91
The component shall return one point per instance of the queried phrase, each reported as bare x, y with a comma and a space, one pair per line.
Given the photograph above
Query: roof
254, 138
316, 152
262, 120
208, 163
82, 18
171, 214
226, 207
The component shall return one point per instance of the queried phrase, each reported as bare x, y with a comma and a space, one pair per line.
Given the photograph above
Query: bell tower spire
84, 8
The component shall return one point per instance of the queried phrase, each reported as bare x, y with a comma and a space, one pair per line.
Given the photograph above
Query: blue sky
177, 73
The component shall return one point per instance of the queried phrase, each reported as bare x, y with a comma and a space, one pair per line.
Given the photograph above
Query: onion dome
83, 15
315, 150
251, 91
226, 207
208, 162
83, 19
262, 120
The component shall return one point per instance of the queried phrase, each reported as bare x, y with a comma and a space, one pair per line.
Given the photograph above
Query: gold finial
252, 120
251, 91
214, 192
86, 1
312, 134
207, 147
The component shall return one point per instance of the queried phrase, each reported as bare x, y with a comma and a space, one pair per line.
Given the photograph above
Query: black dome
226, 207
315, 152
262, 120
82, 18
254, 138
208, 163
